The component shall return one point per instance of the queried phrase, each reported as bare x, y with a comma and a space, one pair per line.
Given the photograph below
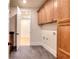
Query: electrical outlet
54, 33
43, 37
46, 38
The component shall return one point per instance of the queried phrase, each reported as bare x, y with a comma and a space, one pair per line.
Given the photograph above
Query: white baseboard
53, 52
35, 43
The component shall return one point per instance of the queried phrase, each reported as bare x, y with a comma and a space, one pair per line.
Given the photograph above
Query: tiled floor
31, 52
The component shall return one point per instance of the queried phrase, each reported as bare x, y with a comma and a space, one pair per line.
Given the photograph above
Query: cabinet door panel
48, 10
51, 10
64, 41
64, 10
40, 17
55, 3
44, 16
65, 38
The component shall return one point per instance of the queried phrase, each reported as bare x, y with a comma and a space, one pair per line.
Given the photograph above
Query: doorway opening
25, 32
23, 27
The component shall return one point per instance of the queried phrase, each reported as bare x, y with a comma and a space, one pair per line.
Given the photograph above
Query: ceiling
29, 4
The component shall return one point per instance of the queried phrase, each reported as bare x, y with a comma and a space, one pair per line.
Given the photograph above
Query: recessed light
24, 1
55, 4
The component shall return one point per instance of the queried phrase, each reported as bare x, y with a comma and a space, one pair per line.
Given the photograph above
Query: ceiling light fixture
55, 4
24, 1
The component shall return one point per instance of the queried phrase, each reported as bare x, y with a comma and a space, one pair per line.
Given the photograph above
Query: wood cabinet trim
61, 50
64, 24
48, 22
64, 20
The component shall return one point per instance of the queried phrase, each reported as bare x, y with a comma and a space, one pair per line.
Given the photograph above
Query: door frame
16, 32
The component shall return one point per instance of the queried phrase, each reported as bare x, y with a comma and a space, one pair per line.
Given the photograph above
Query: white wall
51, 26
12, 24
4, 29
35, 29
37, 32
12, 11
12, 18
49, 37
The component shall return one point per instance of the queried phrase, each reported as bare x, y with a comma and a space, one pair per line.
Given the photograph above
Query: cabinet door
49, 12
39, 17
55, 3
44, 18
54, 10
64, 41
64, 10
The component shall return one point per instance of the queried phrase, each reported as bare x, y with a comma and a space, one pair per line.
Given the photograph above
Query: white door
18, 30
23, 27
25, 32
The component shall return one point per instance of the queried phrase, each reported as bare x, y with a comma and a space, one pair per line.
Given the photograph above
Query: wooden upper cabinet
39, 17
42, 16
54, 10
51, 8
64, 10
55, 4
48, 12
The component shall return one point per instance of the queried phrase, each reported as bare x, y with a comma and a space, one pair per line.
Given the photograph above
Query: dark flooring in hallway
31, 52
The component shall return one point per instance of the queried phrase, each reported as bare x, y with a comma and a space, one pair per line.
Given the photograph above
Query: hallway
31, 52
39, 29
